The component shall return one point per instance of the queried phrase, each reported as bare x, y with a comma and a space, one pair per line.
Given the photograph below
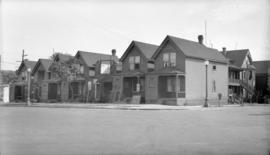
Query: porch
134, 86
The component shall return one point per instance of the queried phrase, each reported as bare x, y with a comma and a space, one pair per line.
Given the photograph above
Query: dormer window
169, 59
134, 62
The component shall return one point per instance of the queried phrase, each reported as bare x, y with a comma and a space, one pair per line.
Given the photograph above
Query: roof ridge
94, 53
135, 41
246, 49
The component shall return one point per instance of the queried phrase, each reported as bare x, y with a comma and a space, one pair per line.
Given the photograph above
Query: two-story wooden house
93, 81
241, 74
42, 90
58, 81
18, 89
187, 73
136, 63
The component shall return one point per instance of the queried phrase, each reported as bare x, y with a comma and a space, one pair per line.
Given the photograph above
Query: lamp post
206, 83
28, 86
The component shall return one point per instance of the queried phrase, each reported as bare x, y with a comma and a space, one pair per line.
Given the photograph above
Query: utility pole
23, 55
205, 31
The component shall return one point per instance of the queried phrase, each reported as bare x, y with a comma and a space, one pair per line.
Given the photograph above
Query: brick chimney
113, 52
224, 51
200, 39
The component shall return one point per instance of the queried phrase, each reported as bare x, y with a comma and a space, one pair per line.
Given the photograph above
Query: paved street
69, 131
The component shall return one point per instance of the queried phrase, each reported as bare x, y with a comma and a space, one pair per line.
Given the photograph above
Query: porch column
138, 84
176, 86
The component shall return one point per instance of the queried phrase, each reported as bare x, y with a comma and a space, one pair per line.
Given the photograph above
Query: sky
41, 27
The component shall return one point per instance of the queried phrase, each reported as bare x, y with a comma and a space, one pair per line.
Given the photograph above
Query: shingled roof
236, 57
46, 63
27, 64
194, 49
63, 57
90, 58
145, 48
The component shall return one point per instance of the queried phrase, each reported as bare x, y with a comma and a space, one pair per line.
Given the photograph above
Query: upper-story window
91, 72
169, 59
105, 67
24, 75
49, 75
40, 75
81, 69
134, 62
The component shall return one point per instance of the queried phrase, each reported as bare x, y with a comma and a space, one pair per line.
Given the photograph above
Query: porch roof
104, 78
168, 71
132, 74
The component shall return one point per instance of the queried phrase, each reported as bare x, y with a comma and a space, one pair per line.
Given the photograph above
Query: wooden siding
169, 47
143, 61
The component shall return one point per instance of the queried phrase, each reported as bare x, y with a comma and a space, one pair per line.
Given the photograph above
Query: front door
52, 91
130, 87
19, 93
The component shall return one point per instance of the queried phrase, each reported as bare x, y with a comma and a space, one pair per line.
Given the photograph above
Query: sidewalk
116, 106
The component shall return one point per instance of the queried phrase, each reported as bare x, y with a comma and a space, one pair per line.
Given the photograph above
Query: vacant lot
69, 131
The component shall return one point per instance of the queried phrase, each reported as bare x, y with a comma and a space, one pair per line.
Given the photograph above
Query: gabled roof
90, 58
27, 64
145, 48
194, 49
46, 63
262, 66
236, 57
63, 57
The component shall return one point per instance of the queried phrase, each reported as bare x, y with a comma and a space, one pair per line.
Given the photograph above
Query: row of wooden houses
176, 72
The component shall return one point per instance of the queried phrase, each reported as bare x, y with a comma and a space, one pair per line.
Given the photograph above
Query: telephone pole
23, 55
205, 31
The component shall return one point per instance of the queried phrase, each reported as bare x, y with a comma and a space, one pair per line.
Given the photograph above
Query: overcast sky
39, 26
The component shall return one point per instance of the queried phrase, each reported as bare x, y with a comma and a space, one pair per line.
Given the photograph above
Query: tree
64, 70
7, 76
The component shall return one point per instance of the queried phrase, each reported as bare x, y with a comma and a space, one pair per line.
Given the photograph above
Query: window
105, 67
49, 75
213, 86
170, 84
40, 75
24, 75
166, 59
173, 59
168, 87
169, 59
137, 62
81, 69
91, 72
131, 63
182, 84
134, 62
250, 75
214, 67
